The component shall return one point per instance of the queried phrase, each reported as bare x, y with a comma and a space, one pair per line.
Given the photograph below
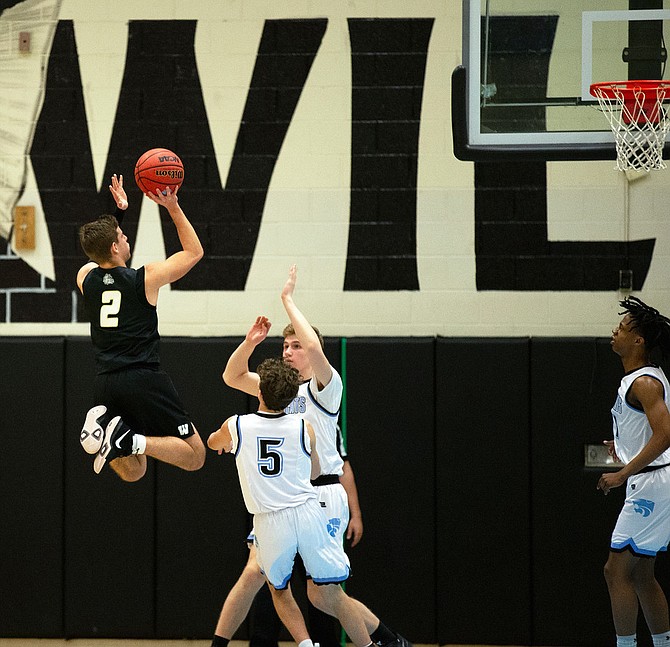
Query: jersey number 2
111, 304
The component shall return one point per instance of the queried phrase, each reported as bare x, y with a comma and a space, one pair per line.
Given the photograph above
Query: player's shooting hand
289, 286
117, 191
609, 480
167, 199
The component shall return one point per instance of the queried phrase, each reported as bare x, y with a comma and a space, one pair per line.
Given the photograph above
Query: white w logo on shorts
183, 429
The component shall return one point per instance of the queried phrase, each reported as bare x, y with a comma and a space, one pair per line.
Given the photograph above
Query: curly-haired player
641, 427
276, 457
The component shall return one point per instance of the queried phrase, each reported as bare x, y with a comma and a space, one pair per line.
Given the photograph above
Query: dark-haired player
138, 411
641, 426
318, 401
276, 457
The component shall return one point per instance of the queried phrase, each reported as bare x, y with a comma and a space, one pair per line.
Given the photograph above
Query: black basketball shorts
146, 400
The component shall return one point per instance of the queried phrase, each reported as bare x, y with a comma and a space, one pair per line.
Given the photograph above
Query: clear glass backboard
523, 87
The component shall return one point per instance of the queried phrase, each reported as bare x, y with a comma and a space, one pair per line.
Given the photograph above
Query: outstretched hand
289, 286
259, 330
117, 191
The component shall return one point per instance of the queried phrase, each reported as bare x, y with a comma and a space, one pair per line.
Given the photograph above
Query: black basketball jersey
124, 325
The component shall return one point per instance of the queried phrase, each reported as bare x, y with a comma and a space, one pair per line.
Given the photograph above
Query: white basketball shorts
335, 504
303, 529
643, 526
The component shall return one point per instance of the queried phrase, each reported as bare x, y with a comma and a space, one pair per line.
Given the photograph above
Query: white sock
626, 641
661, 640
139, 444
306, 643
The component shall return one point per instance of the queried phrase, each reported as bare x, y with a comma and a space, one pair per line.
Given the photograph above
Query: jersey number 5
269, 459
111, 304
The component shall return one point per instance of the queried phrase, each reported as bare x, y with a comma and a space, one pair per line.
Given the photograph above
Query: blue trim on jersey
630, 544
313, 399
303, 433
239, 436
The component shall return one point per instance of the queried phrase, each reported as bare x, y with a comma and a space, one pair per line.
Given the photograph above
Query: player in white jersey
275, 453
318, 401
641, 430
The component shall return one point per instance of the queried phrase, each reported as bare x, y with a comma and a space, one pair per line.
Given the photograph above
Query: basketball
159, 168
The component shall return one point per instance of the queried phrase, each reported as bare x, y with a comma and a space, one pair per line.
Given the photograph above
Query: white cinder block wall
307, 211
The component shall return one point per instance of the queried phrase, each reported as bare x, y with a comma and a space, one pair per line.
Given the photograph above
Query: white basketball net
639, 125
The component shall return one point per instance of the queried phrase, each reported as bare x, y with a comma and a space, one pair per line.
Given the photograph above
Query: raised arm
304, 332
121, 201
118, 192
237, 373
173, 268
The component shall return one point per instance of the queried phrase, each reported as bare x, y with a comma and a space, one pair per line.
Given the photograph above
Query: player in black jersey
138, 412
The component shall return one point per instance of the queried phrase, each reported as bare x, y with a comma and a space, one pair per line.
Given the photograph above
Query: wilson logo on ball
171, 173
159, 169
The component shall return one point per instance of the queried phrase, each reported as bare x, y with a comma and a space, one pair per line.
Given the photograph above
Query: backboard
522, 90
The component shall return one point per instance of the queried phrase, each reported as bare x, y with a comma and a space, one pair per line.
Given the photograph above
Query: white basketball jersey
272, 453
631, 428
321, 409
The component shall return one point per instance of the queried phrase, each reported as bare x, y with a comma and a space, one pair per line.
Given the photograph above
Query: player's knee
252, 576
317, 598
611, 572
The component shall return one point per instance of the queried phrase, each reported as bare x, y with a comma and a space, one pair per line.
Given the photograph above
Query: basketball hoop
638, 120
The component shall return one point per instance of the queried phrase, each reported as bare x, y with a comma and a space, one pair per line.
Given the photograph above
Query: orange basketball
159, 168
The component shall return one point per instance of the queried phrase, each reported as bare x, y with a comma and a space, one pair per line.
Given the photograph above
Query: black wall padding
482, 524
482, 485
110, 542
31, 487
201, 521
391, 444
573, 388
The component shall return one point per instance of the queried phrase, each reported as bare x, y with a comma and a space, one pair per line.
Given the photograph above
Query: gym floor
88, 642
